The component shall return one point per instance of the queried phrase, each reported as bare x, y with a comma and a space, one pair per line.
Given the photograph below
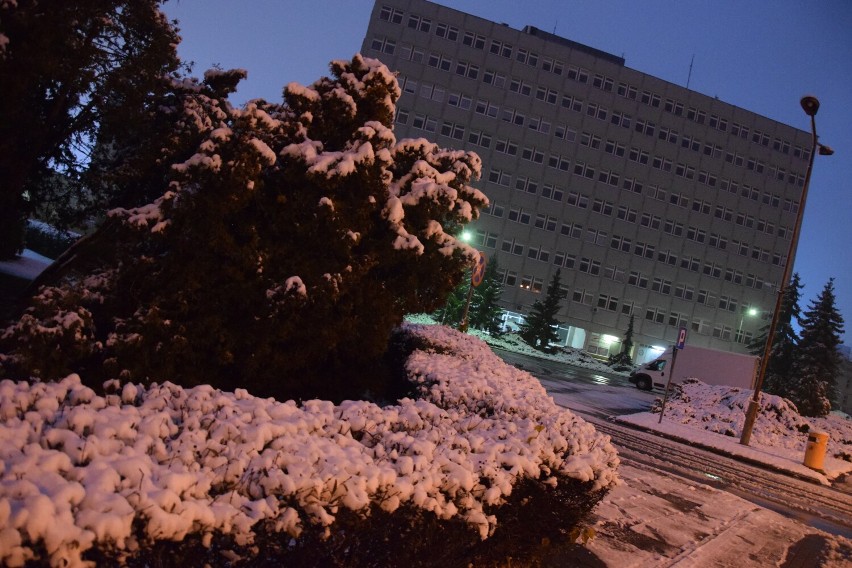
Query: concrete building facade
655, 201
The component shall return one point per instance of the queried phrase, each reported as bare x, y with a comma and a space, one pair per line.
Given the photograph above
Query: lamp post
810, 105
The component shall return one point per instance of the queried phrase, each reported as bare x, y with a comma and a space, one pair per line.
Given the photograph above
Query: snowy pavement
659, 520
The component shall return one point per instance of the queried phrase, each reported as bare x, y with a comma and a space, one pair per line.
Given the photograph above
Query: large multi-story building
654, 200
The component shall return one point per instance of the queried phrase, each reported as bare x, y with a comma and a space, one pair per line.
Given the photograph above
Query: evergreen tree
538, 331
818, 361
69, 69
286, 249
624, 360
780, 377
450, 314
485, 310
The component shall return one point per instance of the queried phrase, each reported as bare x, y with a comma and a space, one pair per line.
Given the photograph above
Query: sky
759, 55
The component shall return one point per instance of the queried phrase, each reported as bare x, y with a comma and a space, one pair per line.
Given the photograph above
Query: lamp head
810, 105
825, 150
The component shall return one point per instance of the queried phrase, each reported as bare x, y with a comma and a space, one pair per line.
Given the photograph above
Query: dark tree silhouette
539, 329
70, 70
818, 361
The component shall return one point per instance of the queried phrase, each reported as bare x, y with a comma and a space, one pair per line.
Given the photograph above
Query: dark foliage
539, 329
484, 312
818, 361
289, 245
70, 72
534, 529
780, 377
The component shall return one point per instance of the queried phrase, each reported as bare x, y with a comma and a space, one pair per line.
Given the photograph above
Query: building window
447, 32
637, 279
578, 200
551, 192
512, 247
572, 103
471, 39
656, 315
419, 23
607, 302
661, 285
582, 297
501, 49
389, 14
499, 177
596, 236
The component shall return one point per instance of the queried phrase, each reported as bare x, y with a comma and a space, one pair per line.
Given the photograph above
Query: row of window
605, 207
654, 314
563, 132
599, 81
594, 267
485, 140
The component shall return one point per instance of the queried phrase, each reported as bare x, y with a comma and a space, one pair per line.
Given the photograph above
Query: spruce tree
68, 70
450, 314
280, 257
780, 378
818, 362
485, 310
539, 329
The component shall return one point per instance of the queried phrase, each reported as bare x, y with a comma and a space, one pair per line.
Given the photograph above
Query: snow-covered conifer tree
289, 244
485, 309
817, 359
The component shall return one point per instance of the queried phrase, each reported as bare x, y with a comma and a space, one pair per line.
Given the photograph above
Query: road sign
681, 338
479, 270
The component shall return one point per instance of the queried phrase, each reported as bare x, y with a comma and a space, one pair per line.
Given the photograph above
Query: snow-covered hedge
162, 462
721, 409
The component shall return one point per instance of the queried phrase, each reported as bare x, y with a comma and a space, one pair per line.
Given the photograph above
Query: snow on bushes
159, 462
721, 409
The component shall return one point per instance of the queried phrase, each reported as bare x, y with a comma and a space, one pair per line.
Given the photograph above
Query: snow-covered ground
713, 416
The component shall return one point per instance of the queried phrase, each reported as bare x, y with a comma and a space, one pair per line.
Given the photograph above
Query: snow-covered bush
722, 409
289, 244
483, 448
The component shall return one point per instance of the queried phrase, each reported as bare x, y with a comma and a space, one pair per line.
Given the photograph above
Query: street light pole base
751, 416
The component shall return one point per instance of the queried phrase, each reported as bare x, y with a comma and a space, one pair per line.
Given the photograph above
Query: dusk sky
759, 55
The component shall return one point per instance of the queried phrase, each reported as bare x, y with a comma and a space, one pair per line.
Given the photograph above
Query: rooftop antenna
554, 25
688, 77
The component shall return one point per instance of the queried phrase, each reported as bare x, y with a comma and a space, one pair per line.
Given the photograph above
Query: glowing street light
751, 312
810, 105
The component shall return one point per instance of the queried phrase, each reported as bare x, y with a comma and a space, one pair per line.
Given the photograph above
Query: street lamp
810, 105
751, 312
